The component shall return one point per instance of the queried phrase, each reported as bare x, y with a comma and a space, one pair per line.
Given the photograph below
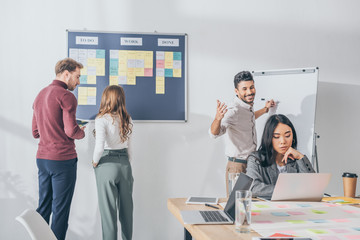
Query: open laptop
307, 187
225, 216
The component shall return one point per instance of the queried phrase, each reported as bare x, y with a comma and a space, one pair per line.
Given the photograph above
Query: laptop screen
243, 183
300, 186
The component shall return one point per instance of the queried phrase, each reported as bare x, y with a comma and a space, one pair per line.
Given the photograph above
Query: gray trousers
114, 182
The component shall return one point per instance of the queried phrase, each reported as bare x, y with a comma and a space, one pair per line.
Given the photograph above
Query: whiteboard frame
313, 70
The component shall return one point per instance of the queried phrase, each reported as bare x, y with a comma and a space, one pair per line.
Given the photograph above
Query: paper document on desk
311, 219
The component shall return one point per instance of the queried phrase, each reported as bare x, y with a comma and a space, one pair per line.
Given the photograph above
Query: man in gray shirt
238, 120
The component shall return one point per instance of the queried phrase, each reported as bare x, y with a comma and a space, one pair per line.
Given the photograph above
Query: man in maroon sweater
54, 122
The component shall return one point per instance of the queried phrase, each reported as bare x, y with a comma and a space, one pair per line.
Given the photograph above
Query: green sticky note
296, 221
318, 231
318, 212
261, 206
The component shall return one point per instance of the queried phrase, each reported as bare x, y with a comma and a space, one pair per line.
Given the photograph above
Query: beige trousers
233, 167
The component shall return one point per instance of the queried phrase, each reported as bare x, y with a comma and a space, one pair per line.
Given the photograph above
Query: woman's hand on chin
292, 154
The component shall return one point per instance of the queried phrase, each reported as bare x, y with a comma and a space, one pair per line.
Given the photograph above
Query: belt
232, 159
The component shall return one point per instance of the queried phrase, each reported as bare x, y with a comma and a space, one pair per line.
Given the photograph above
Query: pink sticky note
331, 205
341, 220
255, 213
328, 238
353, 236
352, 211
283, 206
339, 230
148, 72
160, 63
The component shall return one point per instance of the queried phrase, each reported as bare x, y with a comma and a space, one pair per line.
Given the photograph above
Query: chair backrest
36, 226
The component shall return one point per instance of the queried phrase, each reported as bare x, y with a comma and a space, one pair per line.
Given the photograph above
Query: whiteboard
294, 91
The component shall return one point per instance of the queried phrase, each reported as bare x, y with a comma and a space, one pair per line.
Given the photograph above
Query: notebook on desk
309, 187
225, 216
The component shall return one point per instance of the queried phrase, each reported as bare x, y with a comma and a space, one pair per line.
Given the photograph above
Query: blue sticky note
318, 220
100, 53
114, 62
356, 228
177, 56
280, 214
91, 100
114, 71
168, 72
83, 79
304, 205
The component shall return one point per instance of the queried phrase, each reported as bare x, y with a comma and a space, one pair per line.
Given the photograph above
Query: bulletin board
151, 68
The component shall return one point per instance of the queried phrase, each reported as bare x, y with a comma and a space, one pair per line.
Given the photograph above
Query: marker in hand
208, 205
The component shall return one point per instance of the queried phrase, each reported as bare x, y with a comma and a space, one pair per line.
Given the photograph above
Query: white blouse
108, 136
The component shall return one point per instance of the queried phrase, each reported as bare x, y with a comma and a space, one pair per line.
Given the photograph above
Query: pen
208, 205
263, 199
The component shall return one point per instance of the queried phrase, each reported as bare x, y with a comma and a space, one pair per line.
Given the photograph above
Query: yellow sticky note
148, 55
160, 89
91, 80
123, 55
131, 72
176, 72
92, 91
113, 80
122, 72
122, 66
83, 71
82, 100
91, 62
160, 80
169, 56
140, 54
148, 62
82, 92
169, 64
160, 85
131, 54
131, 80
100, 66
139, 72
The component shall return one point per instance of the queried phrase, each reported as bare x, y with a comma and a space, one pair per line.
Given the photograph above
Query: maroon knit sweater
54, 122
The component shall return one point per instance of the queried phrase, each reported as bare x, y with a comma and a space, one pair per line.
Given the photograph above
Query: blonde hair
113, 103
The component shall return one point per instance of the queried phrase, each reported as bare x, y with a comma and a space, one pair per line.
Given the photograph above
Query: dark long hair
113, 103
266, 148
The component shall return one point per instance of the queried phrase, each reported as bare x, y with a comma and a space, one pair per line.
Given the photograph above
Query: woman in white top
113, 173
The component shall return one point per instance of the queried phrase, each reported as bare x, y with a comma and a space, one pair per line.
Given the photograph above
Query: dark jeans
56, 188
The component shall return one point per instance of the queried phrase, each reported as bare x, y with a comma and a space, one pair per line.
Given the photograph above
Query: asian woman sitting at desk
276, 154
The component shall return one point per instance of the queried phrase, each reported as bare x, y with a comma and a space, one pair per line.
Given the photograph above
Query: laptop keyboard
213, 216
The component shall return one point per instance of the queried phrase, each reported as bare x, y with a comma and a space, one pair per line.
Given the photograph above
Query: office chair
36, 225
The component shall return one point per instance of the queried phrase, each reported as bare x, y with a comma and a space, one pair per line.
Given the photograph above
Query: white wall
175, 159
